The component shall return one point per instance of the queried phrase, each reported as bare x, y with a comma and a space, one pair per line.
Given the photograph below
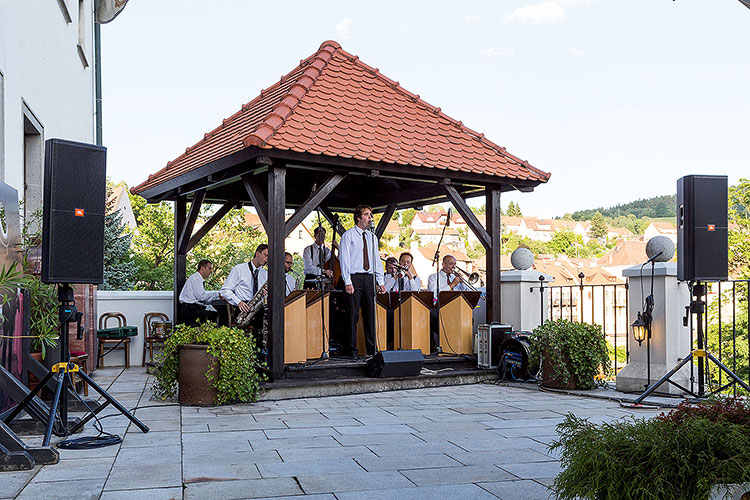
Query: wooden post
276, 273
180, 257
493, 254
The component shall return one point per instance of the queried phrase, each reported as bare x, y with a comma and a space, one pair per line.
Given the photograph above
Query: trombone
467, 279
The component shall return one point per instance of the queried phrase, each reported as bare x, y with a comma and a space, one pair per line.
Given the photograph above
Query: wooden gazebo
334, 133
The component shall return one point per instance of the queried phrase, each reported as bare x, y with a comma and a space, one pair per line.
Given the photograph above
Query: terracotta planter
194, 388
557, 383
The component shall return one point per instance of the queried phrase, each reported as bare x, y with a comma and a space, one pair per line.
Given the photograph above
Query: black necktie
365, 255
255, 281
401, 284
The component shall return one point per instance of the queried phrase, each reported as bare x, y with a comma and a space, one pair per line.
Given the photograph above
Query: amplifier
489, 338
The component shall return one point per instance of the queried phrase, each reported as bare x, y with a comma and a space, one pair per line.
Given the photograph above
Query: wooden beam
256, 195
387, 214
315, 199
180, 258
210, 223
468, 215
493, 255
276, 270
329, 215
187, 229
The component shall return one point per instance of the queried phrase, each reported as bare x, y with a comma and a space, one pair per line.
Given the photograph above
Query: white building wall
44, 70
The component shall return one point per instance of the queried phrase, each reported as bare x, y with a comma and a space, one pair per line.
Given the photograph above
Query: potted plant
694, 451
43, 316
210, 365
572, 355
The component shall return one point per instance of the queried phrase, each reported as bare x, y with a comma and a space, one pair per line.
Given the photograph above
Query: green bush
235, 353
679, 455
582, 344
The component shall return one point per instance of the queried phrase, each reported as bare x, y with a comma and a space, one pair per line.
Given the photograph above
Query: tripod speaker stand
61, 371
697, 307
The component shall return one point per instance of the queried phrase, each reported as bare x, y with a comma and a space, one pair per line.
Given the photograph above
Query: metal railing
605, 305
726, 332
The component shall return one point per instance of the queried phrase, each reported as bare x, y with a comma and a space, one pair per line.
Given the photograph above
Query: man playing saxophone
246, 279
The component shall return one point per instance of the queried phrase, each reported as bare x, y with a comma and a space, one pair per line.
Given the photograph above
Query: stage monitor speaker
702, 228
75, 187
406, 363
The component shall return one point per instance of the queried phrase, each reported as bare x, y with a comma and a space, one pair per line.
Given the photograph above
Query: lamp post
580, 280
642, 331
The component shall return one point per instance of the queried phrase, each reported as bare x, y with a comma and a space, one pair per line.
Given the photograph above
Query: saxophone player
246, 279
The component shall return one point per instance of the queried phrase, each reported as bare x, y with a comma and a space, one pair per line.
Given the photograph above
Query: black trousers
192, 313
434, 330
362, 298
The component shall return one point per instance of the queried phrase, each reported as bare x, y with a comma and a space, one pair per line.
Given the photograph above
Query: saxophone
256, 304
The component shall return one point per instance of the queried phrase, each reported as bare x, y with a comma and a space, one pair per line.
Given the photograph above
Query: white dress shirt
239, 283
351, 255
409, 285
194, 291
291, 283
444, 286
311, 258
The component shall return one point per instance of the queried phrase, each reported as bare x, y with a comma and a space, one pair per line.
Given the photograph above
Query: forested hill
658, 206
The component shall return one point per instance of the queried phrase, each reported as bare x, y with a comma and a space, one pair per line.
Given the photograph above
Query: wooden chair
118, 337
80, 358
156, 329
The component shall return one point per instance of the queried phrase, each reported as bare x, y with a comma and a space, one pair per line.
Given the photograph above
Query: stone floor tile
358, 481
390, 450
452, 492
536, 470
165, 475
307, 432
204, 472
11, 483
407, 462
82, 489
252, 488
157, 438
334, 452
309, 467
518, 490
456, 475
148, 494
368, 439
84, 468
498, 457
375, 429
287, 443
324, 496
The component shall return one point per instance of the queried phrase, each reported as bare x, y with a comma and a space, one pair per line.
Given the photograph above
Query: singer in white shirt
311, 258
360, 259
194, 297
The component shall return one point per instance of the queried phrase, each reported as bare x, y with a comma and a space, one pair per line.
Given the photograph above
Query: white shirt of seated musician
399, 279
238, 288
449, 279
311, 255
291, 280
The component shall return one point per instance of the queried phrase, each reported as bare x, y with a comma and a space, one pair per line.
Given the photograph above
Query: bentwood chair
118, 337
156, 329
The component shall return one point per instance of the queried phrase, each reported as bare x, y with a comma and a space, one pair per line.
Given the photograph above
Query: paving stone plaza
481, 441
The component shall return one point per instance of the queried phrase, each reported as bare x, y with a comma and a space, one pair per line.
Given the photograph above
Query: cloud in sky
494, 52
542, 13
342, 29
475, 20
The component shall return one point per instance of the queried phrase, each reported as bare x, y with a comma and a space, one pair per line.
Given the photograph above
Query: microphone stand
321, 261
374, 292
390, 303
436, 263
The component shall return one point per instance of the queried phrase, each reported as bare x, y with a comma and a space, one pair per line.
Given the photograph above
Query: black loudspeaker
407, 363
702, 228
75, 186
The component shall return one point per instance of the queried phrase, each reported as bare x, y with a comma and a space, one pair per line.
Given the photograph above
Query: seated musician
411, 283
391, 278
291, 279
314, 257
194, 297
246, 279
444, 280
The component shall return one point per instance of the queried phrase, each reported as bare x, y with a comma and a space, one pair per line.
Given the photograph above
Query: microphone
372, 225
654, 257
448, 222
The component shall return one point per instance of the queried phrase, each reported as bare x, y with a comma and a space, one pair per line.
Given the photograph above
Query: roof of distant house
335, 105
428, 251
625, 253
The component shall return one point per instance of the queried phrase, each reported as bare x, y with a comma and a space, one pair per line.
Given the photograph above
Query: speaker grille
74, 204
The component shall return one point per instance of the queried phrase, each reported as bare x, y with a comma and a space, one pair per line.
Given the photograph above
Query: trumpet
467, 278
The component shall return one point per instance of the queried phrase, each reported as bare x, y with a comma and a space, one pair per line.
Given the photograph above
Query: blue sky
616, 98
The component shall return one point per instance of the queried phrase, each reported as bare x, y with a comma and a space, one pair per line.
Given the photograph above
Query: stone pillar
523, 305
670, 340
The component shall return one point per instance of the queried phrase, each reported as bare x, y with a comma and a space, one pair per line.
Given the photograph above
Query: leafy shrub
573, 349
679, 455
236, 355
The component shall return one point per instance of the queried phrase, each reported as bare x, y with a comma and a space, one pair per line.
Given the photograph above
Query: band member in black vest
360, 261
314, 257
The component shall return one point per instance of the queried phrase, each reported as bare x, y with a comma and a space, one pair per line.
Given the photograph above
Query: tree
739, 232
153, 244
514, 210
119, 268
598, 228
407, 216
565, 242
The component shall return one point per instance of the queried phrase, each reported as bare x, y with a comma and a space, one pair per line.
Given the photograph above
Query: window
299, 234
33, 169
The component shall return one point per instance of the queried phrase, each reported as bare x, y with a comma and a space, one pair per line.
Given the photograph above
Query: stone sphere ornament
660, 244
522, 258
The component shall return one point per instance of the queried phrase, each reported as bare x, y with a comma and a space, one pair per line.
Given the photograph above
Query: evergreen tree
119, 269
514, 210
598, 228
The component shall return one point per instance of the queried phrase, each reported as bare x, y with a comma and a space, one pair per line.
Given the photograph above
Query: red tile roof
335, 105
